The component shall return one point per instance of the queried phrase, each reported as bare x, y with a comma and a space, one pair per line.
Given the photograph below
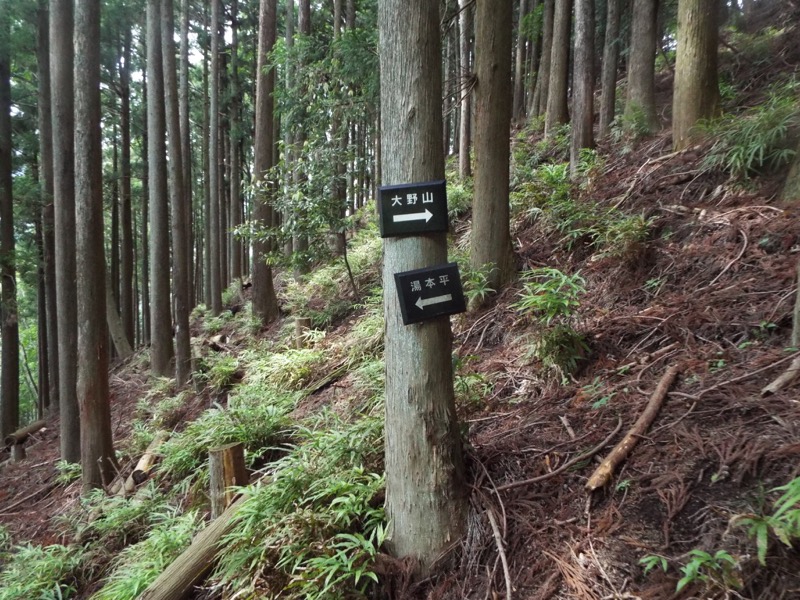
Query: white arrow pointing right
423, 216
421, 304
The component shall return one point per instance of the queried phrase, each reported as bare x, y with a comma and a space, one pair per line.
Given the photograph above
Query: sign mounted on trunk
413, 208
428, 293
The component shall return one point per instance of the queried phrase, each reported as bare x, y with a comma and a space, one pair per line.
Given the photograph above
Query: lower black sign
430, 292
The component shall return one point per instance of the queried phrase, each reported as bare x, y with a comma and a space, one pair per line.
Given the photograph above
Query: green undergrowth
312, 527
547, 197
40, 573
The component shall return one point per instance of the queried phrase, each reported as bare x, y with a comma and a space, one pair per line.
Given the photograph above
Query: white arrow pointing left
423, 216
421, 304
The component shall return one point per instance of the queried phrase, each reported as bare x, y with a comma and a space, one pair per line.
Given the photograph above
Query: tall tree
180, 243
582, 135
608, 85
265, 303
543, 77
425, 491
186, 148
464, 134
518, 108
126, 303
46, 190
696, 93
160, 310
490, 237
235, 251
214, 245
9, 392
62, 102
97, 450
557, 112
640, 106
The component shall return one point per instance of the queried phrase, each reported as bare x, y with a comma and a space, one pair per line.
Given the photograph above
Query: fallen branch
603, 473
784, 379
498, 540
716, 386
566, 465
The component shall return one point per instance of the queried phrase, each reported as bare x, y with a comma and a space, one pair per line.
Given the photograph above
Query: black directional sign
430, 292
413, 208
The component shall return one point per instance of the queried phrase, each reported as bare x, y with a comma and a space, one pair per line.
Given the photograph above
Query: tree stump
226, 469
17, 453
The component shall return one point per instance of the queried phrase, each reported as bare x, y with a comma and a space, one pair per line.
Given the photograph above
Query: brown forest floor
721, 260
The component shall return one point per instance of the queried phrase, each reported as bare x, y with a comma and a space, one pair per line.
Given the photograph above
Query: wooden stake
603, 473
17, 453
301, 327
226, 469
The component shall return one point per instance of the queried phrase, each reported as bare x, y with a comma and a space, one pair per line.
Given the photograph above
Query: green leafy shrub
459, 197
549, 293
757, 139
40, 572
784, 523
476, 284
713, 571
550, 297
315, 523
138, 565
256, 415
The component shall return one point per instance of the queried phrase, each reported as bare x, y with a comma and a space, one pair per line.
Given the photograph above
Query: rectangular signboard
413, 208
429, 293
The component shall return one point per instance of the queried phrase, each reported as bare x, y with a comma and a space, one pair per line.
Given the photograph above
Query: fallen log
142, 468
603, 473
20, 435
185, 571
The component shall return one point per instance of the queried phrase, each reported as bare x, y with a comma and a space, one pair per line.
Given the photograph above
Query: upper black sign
413, 208
430, 292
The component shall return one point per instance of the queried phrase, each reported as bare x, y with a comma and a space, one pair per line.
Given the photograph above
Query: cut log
603, 473
20, 435
185, 571
301, 328
142, 467
226, 470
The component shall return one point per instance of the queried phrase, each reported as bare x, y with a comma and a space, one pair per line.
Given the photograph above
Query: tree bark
696, 94
490, 237
235, 179
186, 151
583, 83
640, 106
126, 303
161, 350
464, 134
557, 112
145, 218
9, 392
206, 165
214, 246
426, 499
115, 326
62, 102
518, 108
265, 303
608, 93
543, 77
180, 249
97, 450
46, 178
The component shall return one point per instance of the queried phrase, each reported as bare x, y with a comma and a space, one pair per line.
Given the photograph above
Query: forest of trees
154, 155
